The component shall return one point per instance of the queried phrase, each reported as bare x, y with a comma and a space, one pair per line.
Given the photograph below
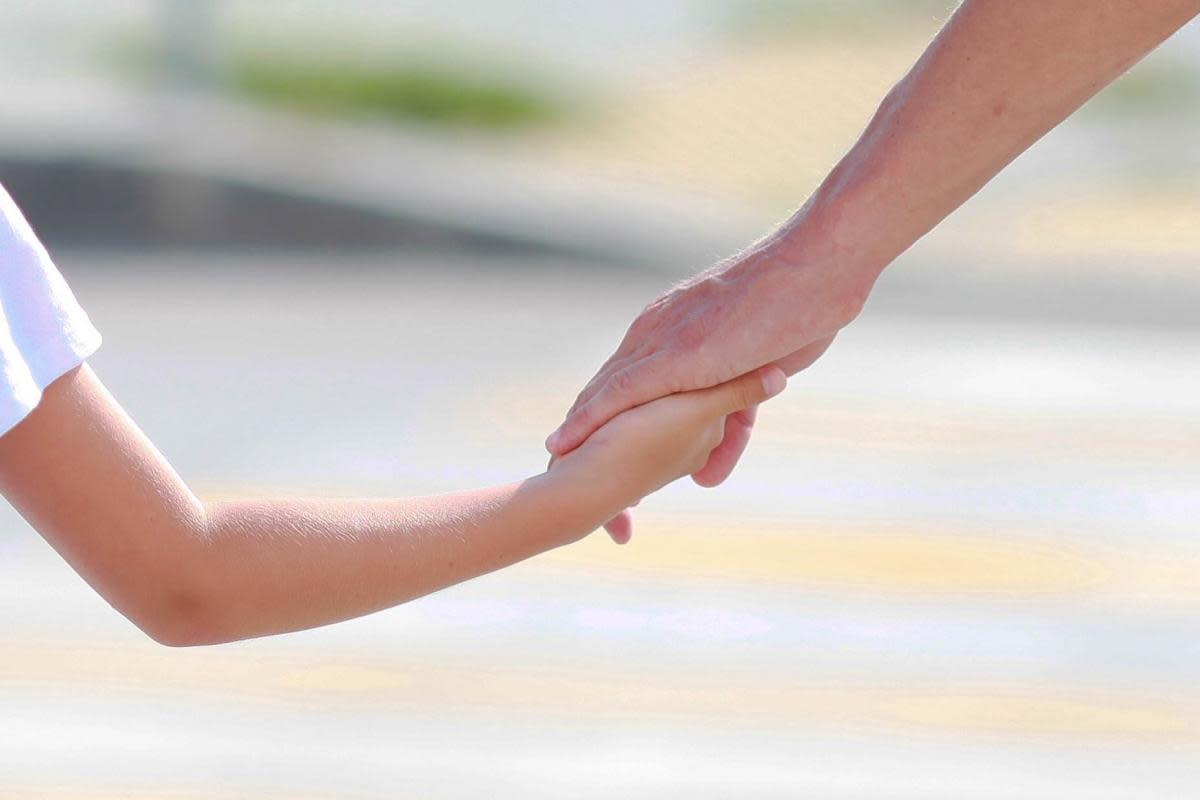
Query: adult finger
629, 386
722, 460
615, 363
620, 527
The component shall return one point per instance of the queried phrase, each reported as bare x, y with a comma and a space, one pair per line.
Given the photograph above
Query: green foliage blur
409, 92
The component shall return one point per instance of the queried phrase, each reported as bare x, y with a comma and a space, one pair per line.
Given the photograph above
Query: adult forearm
999, 76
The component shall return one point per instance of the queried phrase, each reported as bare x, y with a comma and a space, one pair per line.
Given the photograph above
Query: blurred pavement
959, 561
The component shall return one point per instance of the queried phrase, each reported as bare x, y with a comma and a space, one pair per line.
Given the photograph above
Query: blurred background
374, 248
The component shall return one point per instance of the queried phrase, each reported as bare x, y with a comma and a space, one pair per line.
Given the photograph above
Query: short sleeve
44, 332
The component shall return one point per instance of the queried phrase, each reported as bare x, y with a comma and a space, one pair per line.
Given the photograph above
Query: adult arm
999, 75
188, 572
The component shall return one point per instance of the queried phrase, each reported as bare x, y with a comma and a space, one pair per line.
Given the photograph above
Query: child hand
645, 448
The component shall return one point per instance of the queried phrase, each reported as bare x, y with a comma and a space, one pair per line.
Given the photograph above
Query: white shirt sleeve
43, 331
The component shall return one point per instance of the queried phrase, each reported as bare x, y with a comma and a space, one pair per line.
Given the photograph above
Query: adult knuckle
642, 325
589, 390
621, 382
581, 400
579, 419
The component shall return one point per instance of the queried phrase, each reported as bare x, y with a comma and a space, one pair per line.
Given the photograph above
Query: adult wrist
817, 258
840, 229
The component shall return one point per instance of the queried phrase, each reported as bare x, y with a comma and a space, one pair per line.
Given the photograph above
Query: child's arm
189, 572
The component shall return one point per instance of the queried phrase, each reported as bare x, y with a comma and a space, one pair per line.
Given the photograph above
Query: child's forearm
191, 573
271, 566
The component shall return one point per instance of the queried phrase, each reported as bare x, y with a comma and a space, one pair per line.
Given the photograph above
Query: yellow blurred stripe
735, 698
882, 559
937, 560
1069, 713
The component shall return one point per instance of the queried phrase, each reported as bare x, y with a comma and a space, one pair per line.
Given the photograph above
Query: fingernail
774, 381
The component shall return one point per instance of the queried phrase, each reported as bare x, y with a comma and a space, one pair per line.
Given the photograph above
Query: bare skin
999, 75
189, 572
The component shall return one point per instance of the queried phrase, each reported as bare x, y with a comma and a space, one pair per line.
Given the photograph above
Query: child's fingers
746, 391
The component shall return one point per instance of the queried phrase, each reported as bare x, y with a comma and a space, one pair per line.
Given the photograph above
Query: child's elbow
168, 635
178, 633
181, 618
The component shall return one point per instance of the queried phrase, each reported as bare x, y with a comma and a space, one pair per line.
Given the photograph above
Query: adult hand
645, 448
997, 77
766, 306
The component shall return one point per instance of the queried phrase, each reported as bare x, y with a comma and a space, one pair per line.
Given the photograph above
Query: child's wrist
583, 499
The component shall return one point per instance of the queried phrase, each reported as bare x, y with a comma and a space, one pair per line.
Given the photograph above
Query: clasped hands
697, 362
